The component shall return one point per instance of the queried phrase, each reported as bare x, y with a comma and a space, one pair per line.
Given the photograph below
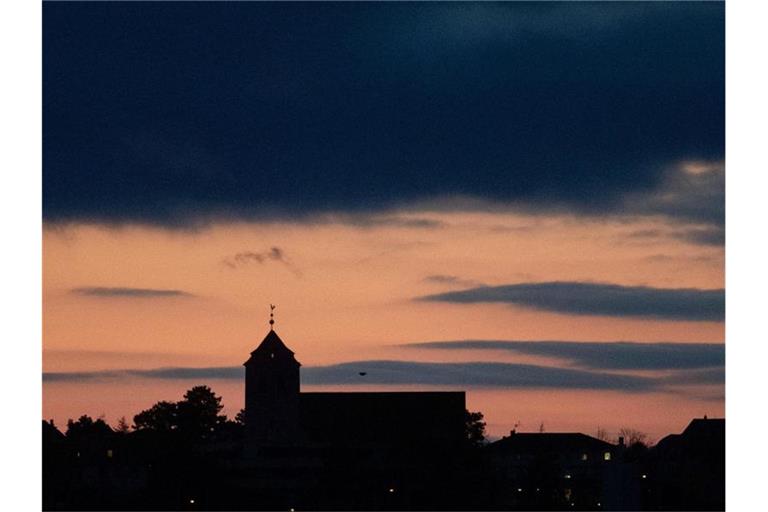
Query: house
686, 471
550, 470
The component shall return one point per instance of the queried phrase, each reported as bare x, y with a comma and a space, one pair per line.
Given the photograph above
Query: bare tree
632, 436
122, 426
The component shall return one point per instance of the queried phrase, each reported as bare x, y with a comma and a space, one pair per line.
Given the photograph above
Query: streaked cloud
170, 373
581, 298
602, 355
469, 375
451, 280
139, 293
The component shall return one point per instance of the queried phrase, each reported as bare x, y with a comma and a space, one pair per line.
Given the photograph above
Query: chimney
621, 441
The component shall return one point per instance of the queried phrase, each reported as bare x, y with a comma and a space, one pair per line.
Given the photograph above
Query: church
279, 414
336, 450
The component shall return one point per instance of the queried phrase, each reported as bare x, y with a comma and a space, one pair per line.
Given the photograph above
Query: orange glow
346, 293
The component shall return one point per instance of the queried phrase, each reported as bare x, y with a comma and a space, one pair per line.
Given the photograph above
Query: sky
523, 201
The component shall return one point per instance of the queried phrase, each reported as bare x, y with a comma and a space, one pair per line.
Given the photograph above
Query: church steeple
271, 391
272, 347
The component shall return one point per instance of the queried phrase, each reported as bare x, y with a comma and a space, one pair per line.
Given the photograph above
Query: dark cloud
389, 373
577, 298
245, 258
711, 235
704, 236
692, 191
603, 355
713, 376
100, 291
367, 220
176, 114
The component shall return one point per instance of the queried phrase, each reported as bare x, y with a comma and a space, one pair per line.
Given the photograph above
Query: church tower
272, 393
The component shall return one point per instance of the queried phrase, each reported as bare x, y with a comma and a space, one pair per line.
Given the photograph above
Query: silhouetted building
278, 414
687, 471
384, 450
272, 394
550, 471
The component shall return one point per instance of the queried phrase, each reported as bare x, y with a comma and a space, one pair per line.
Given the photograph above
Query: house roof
549, 442
699, 431
705, 427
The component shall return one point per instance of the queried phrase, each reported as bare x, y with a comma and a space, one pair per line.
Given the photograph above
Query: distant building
550, 470
278, 414
687, 471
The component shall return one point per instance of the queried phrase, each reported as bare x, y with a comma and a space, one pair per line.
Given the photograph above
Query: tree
633, 437
122, 426
161, 417
196, 416
198, 413
474, 427
240, 417
85, 426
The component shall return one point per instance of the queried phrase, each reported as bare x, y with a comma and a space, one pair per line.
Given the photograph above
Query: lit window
607, 456
583, 456
109, 454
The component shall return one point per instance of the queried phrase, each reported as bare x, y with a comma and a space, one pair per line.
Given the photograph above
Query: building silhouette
687, 470
346, 449
279, 414
565, 471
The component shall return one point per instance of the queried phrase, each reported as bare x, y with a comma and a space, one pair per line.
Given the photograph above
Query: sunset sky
523, 201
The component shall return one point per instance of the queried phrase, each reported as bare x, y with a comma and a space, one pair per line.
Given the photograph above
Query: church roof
272, 343
270, 347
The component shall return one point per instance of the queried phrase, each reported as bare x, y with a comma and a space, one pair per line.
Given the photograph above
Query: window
607, 456
584, 456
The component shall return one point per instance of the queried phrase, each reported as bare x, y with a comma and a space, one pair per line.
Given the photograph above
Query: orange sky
345, 293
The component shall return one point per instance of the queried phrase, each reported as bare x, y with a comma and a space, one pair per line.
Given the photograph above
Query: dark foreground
93, 467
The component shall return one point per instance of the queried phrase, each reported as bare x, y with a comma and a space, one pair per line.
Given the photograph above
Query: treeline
187, 454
